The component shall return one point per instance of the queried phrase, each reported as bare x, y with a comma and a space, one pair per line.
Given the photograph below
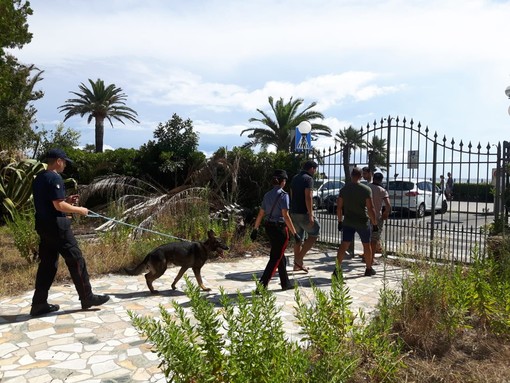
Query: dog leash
93, 214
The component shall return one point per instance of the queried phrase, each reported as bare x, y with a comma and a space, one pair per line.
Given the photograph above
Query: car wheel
315, 201
444, 207
420, 212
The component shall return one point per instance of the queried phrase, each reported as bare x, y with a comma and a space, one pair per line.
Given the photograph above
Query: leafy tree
279, 130
13, 24
61, 137
172, 153
100, 102
350, 139
17, 81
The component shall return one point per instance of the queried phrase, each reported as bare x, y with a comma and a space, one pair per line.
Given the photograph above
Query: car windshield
400, 185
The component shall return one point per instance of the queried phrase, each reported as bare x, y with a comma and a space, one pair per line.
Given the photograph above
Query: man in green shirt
356, 214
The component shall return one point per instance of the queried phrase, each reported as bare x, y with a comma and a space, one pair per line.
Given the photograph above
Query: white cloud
218, 61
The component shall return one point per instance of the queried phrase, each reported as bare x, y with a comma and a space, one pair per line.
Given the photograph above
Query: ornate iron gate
415, 153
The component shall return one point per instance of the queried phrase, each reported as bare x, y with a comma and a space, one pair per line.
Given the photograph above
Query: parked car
329, 187
416, 196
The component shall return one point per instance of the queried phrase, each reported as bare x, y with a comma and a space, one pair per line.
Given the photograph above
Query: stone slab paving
100, 344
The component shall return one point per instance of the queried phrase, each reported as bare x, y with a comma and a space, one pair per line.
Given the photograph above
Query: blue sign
303, 142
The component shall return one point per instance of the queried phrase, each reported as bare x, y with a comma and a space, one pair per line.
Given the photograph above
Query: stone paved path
100, 345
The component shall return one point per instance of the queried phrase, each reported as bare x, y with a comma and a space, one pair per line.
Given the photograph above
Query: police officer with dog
56, 237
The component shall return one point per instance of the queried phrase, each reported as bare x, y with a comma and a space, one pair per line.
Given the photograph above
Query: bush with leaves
26, 240
244, 341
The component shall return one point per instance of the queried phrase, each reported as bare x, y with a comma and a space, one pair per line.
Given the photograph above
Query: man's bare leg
367, 254
297, 250
341, 252
299, 257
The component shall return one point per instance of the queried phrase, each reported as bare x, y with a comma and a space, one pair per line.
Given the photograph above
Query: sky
444, 63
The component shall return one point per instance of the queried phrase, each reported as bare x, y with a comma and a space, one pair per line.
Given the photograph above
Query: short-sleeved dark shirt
279, 199
47, 187
299, 183
354, 196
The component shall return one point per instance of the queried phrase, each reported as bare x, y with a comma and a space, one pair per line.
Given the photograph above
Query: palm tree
377, 153
278, 131
350, 139
99, 102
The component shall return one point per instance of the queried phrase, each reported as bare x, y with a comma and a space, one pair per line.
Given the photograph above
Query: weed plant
439, 302
22, 229
244, 340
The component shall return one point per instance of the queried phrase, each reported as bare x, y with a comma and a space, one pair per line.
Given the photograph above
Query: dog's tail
138, 269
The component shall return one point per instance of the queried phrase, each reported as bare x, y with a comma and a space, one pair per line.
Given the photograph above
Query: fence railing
404, 150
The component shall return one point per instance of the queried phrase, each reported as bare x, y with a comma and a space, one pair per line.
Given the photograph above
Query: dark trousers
279, 238
58, 238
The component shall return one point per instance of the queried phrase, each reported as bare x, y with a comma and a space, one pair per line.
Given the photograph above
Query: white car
416, 196
329, 187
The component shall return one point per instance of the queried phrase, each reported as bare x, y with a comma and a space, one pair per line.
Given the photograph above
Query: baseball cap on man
58, 153
280, 174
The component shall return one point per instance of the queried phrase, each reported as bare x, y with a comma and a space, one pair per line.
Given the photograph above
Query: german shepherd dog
184, 254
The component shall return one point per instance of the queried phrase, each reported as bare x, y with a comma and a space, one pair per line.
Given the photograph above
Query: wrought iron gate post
433, 208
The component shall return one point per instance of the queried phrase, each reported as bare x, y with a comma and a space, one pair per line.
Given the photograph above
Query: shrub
26, 240
244, 341
250, 347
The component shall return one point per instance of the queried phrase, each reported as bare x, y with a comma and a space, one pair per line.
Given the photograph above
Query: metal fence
414, 152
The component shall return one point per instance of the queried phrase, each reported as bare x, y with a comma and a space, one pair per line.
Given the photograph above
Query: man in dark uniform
56, 236
301, 212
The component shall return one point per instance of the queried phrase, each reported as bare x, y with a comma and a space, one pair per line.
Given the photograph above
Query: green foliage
350, 139
13, 24
251, 349
329, 324
255, 170
169, 159
17, 83
62, 137
480, 192
439, 302
99, 102
22, 229
497, 227
244, 341
88, 166
16, 186
279, 130
16, 80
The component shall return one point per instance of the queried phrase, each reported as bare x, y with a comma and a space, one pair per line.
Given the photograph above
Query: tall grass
112, 250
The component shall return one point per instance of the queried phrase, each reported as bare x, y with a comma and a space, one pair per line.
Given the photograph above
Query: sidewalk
100, 345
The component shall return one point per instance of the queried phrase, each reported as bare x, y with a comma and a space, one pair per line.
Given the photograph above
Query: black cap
58, 153
280, 174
